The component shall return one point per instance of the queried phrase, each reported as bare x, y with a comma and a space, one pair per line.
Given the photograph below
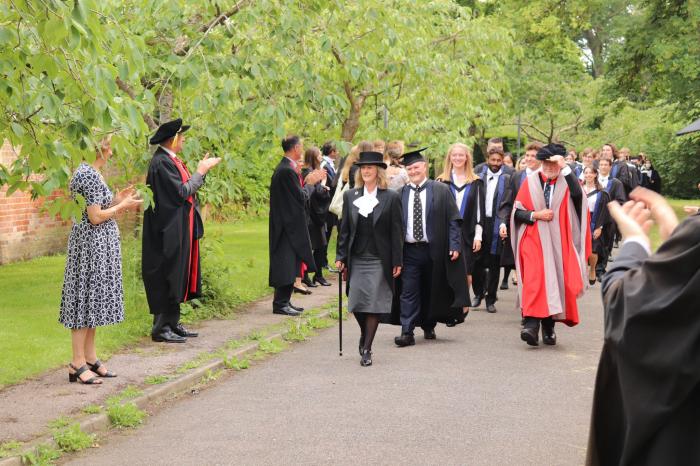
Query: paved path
477, 395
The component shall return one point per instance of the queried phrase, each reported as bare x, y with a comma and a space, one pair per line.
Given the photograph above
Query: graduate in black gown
487, 266
171, 230
616, 191
647, 391
600, 220
289, 242
432, 286
468, 191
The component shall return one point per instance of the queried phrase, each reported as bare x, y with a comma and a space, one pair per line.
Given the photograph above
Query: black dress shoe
183, 332
548, 335
307, 281
476, 301
491, 308
366, 358
429, 334
301, 290
321, 281
504, 285
591, 282
404, 340
299, 309
167, 336
529, 336
286, 311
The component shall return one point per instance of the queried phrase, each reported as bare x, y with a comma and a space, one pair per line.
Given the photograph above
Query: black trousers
320, 259
331, 221
534, 322
170, 319
416, 281
485, 275
282, 296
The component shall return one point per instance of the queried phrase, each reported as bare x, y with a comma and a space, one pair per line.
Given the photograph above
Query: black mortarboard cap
168, 130
550, 150
412, 157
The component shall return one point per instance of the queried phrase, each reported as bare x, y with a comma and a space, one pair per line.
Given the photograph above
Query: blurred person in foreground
647, 392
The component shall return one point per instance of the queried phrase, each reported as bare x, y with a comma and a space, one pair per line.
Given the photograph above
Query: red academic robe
551, 256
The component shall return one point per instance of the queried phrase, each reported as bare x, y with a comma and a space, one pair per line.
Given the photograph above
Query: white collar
168, 151
420, 185
370, 193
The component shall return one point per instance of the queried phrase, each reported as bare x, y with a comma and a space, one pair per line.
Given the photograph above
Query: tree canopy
246, 72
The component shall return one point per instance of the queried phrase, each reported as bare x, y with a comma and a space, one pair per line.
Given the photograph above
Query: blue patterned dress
92, 285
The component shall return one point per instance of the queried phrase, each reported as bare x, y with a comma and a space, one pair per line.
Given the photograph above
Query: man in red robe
551, 245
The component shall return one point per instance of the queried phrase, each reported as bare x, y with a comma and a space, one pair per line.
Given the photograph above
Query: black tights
506, 272
369, 323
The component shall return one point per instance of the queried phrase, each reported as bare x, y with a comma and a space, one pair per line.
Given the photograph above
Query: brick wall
26, 230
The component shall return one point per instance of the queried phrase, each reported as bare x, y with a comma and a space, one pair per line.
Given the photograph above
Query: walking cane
340, 311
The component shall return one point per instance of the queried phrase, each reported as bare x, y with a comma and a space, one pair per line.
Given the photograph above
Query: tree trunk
352, 122
595, 45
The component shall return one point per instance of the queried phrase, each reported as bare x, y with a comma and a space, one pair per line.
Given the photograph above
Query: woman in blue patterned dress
92, 286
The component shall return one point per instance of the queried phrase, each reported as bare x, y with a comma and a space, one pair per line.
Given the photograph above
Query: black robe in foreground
647, 396
449, 292
165, 252
289, 241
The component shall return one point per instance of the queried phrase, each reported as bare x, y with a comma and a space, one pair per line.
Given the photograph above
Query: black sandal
75, 377
94, 367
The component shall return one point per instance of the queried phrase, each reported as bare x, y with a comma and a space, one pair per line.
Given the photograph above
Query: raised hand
207, 163
661, 210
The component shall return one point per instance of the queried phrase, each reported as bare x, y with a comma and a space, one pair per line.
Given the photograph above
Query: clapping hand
207, 163
660, 209
124, 193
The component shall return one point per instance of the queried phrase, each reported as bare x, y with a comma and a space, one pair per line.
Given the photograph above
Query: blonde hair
362, 146
379, 144
381, 178
468, 168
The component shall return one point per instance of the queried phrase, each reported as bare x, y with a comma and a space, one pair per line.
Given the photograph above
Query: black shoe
491, 308
362, 344
286, 311
548, 335
307, 281
591, 282
476, 301
504, 285
429, 334
167, 336
299, 309
366, 358
529, 336
183, 332
301, 291
404, 340
321, 281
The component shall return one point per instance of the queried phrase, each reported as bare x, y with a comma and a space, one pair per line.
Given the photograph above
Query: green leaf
17, 129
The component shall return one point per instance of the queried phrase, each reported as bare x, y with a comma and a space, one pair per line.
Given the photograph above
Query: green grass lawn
677, 205
31, 339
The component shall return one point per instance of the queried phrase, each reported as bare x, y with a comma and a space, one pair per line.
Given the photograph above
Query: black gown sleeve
343, 242
169, 179
397, 237
575, 191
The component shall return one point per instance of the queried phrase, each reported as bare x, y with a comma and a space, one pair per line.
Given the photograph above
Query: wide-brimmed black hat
371, 158
409, 158
168, 130
550, 150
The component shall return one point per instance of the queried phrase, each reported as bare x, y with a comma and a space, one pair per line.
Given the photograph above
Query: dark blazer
388, 230
288, 236
616, 190
454, 235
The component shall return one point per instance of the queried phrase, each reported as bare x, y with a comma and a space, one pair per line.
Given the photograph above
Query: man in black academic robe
487, 266
647, 391
172, 227
432, 286
289, 241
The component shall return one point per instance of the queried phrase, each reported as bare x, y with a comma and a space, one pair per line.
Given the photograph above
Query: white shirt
491, 189
409, 220
604, 181
329, 161
169, 152
591, 199
478, 230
